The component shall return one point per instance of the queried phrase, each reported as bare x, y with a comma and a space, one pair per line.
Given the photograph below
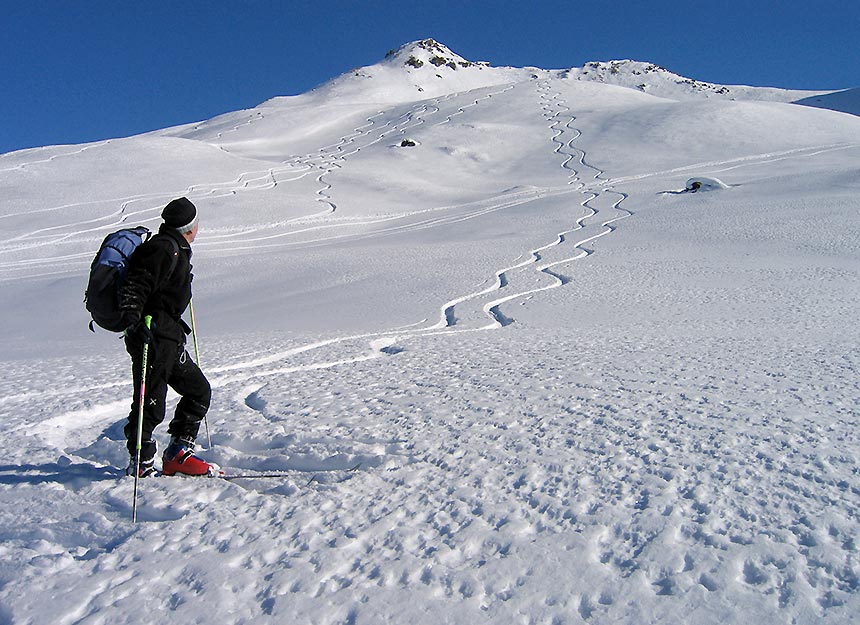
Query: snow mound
702, 183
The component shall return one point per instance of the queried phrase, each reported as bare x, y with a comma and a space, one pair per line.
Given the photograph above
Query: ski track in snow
491, 309
324, 163
554, 111
51, 158
717, 167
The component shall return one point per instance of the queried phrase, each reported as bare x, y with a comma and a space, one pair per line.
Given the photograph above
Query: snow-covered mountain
433, 69
513, 370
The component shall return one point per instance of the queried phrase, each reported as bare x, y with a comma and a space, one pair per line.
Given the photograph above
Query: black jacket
152, 288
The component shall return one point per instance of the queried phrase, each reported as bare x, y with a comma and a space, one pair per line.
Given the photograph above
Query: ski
282, 474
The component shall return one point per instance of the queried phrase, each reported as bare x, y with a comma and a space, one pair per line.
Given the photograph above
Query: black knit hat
180, 214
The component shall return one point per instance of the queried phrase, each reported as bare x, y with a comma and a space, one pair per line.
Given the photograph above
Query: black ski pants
168, 364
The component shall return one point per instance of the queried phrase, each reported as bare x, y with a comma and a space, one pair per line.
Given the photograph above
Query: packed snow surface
510, 372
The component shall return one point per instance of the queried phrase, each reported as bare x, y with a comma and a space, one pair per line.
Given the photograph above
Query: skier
158, 284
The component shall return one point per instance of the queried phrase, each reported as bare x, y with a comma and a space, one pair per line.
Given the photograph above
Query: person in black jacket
158, 284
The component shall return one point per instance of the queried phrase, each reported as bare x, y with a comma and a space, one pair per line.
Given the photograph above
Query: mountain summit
433, 69
427, 67
430, 53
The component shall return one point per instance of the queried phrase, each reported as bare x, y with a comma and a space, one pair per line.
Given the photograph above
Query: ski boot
147, 467
179, 458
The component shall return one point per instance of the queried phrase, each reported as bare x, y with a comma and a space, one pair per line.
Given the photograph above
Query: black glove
138, 332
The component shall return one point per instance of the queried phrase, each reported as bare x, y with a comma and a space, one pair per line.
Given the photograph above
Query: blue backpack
107, 274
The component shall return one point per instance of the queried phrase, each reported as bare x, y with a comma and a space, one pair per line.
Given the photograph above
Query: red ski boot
179, 457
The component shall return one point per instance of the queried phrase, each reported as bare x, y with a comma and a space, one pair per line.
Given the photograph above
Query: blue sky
72, 72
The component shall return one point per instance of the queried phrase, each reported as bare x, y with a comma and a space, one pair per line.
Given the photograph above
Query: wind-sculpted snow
508, 371
614, 486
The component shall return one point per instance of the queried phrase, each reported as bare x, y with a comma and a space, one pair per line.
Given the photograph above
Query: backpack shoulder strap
175, 258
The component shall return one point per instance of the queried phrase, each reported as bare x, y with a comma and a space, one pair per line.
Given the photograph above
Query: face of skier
190, 236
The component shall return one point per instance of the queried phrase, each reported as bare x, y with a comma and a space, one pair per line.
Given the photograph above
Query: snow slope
659, 81
847, 101
515, 374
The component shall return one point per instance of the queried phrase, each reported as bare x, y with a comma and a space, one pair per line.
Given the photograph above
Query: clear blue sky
73, 71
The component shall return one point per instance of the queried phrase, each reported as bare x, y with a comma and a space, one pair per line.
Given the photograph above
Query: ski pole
147, 321
197, 360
